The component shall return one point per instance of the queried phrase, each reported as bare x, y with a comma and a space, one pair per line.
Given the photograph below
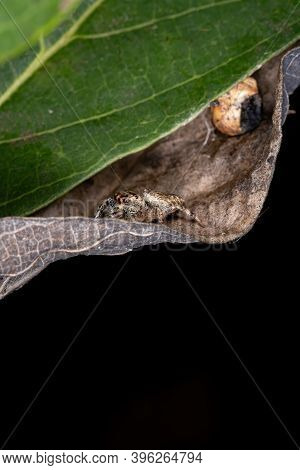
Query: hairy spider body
151, 206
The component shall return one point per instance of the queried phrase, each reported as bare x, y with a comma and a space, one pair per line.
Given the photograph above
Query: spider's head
108, 208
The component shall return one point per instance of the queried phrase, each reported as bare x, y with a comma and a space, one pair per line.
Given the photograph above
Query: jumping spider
151, 206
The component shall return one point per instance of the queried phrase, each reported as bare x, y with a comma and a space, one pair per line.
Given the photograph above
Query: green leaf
118, 76
23, 22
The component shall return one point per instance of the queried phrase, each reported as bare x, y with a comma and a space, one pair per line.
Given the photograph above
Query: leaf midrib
44, 55
139, 102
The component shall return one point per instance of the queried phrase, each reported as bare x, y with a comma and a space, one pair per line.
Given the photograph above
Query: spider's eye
110, 202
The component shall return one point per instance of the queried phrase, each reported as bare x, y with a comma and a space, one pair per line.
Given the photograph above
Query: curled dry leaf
28, 245
223, 180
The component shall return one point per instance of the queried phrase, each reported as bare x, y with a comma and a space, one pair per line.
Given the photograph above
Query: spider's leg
191, 215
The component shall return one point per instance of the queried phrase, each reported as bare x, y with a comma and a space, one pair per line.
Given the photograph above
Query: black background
150, 368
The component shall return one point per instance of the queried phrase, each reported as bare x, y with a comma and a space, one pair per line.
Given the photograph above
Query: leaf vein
153, 22
111, 112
